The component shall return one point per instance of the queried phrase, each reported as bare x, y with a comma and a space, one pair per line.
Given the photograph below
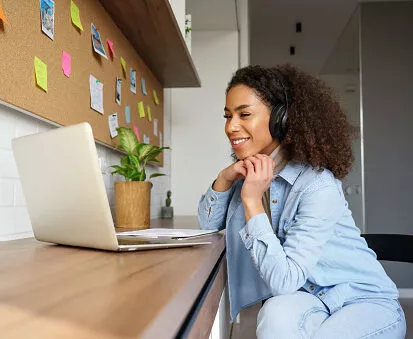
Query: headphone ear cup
277, 122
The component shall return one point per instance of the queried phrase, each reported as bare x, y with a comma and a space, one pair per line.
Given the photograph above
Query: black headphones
279, 114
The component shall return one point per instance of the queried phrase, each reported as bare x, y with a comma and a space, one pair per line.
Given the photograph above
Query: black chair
391, 247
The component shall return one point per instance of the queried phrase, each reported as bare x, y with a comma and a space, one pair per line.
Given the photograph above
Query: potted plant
133, 196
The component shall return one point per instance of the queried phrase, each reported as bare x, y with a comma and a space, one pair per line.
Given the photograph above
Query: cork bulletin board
67, 100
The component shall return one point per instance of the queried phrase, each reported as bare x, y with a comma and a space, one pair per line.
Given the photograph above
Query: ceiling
272, 27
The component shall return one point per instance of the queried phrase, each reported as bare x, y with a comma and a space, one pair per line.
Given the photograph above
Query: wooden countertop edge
171, 318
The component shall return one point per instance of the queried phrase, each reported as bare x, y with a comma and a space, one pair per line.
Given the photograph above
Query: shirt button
274, 201
311, 288
212, 198
320, 294
277, 178
247, 236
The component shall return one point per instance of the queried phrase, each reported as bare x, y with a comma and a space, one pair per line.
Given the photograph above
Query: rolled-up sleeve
212, 209
285, 268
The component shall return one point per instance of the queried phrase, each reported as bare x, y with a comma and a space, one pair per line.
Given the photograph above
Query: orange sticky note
2, 17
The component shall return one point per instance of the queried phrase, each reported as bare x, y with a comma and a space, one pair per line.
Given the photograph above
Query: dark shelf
151, 27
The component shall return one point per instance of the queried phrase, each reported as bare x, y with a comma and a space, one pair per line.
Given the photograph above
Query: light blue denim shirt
311, 243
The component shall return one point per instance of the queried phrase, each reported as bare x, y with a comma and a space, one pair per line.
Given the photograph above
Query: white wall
14, 219
199, 146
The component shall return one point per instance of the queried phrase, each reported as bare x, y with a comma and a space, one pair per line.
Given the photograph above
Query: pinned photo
97, 42
118, 90
132, 76
47, 17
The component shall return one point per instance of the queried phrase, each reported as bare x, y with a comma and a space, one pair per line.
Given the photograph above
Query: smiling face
247, 123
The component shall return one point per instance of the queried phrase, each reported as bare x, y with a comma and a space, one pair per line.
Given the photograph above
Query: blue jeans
302, 315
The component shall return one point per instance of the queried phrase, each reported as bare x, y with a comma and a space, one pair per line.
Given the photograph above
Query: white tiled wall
14, 218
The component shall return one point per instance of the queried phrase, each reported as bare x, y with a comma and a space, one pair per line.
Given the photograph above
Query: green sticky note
141, 109
75, 14
40, 68
155, 97
148, 110
123, 62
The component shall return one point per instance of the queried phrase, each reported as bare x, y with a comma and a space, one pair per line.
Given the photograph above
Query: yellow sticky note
75, 14
148, 110
155, 97
123, 62
141, 109
40, 69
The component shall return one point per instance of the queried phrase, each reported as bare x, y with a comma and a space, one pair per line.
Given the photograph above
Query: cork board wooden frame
67, 101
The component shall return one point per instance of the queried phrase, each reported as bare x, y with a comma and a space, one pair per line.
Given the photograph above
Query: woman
291, 239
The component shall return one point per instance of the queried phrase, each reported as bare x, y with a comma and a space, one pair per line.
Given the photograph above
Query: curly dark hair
317, 129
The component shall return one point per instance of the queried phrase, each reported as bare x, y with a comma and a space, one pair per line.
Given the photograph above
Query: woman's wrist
252, 208
221, 184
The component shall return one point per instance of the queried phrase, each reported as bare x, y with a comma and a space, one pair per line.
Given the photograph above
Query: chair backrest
391, 247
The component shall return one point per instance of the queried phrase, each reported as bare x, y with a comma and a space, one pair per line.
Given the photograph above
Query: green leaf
127, 139
144, 150
156, 175
124, 161
134, 161
142, 176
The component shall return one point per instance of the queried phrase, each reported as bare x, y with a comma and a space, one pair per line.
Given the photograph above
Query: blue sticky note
144, 87
127, 114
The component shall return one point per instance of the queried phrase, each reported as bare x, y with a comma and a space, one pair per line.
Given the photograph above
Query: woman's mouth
238, 142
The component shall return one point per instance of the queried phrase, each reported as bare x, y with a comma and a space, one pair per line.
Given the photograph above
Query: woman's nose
233, 125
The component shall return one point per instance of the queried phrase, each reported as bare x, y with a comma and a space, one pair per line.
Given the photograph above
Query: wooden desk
52, 291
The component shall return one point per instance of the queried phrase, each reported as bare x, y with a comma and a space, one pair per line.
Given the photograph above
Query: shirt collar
291, 171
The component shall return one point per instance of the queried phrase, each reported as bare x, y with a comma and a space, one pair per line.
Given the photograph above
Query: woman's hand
228, 175
260, 169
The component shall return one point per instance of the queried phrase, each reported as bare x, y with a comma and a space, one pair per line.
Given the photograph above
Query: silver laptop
65, 192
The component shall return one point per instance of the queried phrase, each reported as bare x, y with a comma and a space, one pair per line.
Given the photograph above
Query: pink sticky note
110, 44
66, 63
137, 132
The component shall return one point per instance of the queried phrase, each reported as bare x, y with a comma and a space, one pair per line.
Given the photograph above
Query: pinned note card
148, 111
136, 130
155, 97
160, 139
113, 125
2, 16
123, 63
144, 87
75, 15
97, 42
118, 90
40, 69
141, 109
155, 127
127, 114
47, 17
96, 94
132, 80
146, 139
66, 63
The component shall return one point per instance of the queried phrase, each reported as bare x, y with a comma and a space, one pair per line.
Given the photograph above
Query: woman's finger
257, 164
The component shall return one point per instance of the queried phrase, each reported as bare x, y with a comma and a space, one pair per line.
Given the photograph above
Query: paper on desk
174, 233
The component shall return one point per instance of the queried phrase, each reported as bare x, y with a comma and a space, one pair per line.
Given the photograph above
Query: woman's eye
244, 115
226, 116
